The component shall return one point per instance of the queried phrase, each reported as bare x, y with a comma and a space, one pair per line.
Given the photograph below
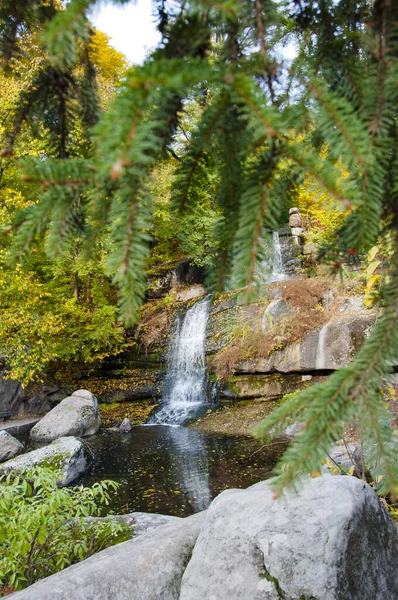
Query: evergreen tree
333, 108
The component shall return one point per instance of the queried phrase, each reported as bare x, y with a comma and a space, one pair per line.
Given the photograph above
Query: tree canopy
256, 128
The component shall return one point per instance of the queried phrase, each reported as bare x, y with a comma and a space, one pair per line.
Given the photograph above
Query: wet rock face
67, 456
76, 415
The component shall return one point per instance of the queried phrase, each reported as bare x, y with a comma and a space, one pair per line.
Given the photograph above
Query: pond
175, 470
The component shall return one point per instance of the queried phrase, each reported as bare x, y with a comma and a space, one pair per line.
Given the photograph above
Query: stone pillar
296, 226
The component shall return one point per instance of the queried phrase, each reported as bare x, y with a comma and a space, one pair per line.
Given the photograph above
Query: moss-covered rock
67, 456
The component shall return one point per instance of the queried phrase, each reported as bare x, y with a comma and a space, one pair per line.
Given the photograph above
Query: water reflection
191, 469
175, 470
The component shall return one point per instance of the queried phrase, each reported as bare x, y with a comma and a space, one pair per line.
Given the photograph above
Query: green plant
44, 529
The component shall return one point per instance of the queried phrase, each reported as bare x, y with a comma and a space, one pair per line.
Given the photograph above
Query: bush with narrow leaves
44, 529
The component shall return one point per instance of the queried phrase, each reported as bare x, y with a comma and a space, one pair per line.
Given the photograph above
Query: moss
236, 418
138, 412
233, 387
56, 462
86, 412
274, 580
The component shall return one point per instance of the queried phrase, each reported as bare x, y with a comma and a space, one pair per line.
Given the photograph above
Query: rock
346, 457
162, 284
67, 455
327, 349
76, 415
12, 396
293, 429
38, 405
333, 541
149, 567
54, 394
9, 446
327, 299
141, 522
271, 386
310, 249
140, 392
352, 304
295, 219
126, 426
291, 242
297, 232
274, 310
17, 427
164, 279
225, 394
195, 291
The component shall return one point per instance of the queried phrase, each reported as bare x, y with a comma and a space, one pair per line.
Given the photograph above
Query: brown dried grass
303, 294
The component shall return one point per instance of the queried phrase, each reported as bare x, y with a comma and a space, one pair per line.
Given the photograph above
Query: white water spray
321, 348
273, 265
185, 384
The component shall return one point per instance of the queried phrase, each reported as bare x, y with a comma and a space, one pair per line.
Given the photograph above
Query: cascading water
321, 348
273, 265
186, 382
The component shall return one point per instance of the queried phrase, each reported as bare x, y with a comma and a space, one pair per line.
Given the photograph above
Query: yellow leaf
372, 281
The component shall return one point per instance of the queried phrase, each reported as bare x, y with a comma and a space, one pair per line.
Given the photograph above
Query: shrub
44, 529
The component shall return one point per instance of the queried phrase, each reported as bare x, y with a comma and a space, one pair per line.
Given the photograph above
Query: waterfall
273, 264
321, 347
186, 382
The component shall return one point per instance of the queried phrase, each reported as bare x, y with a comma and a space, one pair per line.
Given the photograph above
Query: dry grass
303, 294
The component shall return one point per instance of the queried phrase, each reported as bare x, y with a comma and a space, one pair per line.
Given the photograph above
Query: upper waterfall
272, 266
186, 382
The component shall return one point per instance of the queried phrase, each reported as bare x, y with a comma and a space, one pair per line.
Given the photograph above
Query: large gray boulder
9, 446
333, 541
76, 415
67, 456
149, 567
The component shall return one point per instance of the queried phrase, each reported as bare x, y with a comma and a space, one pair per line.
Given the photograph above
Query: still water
175, 470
